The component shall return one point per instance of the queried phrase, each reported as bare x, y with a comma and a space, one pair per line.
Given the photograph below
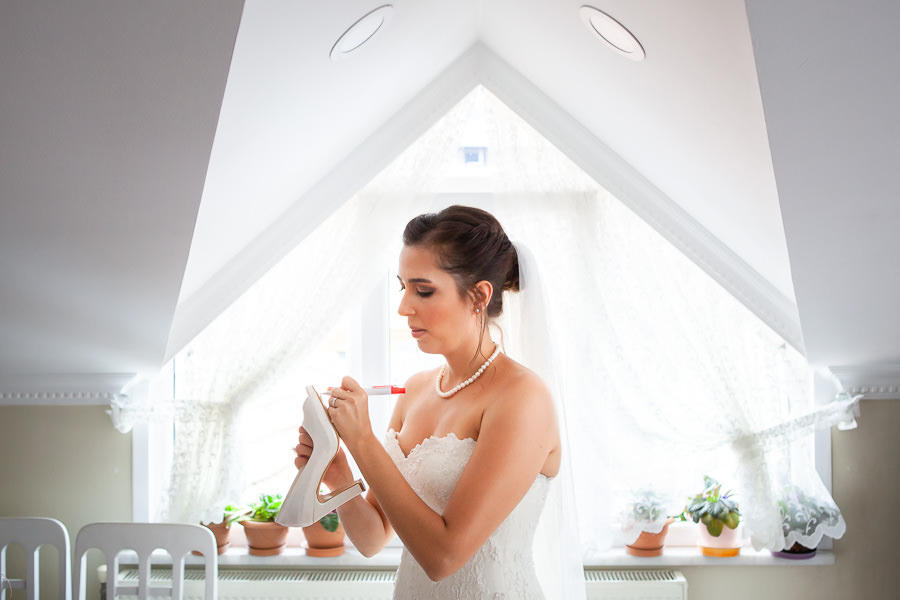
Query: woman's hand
338, 474
348, 410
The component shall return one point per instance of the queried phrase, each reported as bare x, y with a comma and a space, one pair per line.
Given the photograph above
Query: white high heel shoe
303, 504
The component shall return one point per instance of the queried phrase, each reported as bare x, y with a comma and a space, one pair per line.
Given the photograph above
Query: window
474, 155
668, 376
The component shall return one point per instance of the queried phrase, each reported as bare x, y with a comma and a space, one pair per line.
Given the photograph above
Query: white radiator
282, 584
318, 584
635, 585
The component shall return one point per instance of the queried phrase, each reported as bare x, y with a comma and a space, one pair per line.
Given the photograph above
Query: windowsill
686, 556
389, 558
294, 556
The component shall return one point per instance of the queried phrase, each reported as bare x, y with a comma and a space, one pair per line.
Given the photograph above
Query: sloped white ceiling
107, 116
118, 132
831, 88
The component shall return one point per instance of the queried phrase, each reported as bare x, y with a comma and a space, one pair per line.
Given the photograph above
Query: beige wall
69, 463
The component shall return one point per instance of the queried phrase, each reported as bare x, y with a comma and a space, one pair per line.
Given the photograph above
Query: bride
465, 468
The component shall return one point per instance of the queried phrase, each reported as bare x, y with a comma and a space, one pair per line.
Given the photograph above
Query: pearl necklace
437, 382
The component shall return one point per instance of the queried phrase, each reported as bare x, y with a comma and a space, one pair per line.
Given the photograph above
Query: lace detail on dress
502, 569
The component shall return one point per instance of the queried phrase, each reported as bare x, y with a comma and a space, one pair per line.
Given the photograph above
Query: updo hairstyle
470, 245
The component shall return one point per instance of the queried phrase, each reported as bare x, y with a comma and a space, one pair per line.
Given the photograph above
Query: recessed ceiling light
361, 32
613, 33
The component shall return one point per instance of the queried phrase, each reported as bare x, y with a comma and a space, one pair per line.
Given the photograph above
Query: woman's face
440, 320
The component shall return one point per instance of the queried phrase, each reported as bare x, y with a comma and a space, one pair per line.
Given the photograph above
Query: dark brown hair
471, 246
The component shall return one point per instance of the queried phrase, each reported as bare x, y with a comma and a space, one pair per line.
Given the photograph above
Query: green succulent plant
234, 513
713, 508
330, 521
266, 508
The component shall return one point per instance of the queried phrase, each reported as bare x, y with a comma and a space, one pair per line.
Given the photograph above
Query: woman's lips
417, 333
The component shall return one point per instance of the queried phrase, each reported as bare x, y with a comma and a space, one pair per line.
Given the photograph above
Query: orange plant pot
265, 538
223, 535
649, 544
323, 543
728, 543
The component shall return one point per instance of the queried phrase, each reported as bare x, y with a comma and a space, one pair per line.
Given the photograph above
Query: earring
477, 310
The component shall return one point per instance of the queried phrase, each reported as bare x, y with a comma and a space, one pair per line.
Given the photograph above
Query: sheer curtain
225, 375
692, 383
234, 363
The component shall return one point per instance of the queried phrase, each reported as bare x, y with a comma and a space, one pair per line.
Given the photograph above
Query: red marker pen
378, 390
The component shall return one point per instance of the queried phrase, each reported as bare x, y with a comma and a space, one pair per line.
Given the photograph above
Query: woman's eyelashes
421, 292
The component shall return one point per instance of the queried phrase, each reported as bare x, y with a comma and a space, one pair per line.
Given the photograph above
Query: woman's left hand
348, 409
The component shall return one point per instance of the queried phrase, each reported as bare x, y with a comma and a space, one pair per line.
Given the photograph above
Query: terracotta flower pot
728, 543
222, 533
649, 544
265, 538
321, 542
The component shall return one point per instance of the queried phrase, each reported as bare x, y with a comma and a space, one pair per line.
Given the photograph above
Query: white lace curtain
259, 339
229, 368
668, 377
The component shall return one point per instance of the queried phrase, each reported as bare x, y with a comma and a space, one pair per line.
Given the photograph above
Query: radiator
635, 585
319, 584
282, 584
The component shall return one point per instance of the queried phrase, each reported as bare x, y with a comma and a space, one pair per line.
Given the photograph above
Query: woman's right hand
338, 473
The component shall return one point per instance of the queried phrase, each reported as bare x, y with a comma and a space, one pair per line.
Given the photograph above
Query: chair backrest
178, 539
31, 533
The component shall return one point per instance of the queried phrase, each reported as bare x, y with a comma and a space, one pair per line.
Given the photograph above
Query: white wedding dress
502, 569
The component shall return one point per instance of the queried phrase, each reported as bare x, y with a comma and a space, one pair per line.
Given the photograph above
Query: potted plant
718, 517
647, 515
222, 529
801, 516
265, 537
325, 537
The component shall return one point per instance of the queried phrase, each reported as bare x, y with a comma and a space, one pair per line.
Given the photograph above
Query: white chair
178, 539
31, 533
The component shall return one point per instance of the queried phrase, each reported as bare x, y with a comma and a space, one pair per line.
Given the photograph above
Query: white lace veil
528, 336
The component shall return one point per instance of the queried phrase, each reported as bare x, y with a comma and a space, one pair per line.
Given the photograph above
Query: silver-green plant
648, 505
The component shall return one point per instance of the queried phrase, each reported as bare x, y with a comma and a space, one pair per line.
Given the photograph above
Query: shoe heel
333, 500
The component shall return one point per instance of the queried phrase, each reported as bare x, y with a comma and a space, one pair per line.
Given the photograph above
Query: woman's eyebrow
415, 280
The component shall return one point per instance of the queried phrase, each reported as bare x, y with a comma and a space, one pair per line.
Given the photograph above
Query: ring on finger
333, 402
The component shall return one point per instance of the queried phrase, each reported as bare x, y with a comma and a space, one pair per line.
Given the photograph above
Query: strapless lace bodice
502, 569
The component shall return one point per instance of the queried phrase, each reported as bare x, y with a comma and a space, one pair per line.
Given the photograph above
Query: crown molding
874, 382
76, 389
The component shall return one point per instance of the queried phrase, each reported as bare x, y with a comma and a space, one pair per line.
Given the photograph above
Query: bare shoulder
521, 388
522, 416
